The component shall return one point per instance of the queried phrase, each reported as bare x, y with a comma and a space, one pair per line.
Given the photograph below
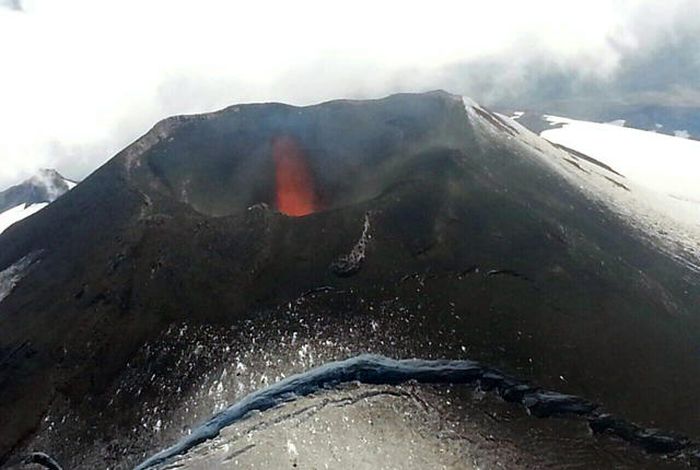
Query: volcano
222, 253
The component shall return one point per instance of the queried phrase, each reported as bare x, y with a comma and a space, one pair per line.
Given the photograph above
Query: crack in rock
351, 263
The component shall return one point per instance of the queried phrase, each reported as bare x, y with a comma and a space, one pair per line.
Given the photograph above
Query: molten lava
296, 195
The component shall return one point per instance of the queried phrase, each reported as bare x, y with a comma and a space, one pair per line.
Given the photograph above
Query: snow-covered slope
652, 180
670, 165
32, 195
18, 213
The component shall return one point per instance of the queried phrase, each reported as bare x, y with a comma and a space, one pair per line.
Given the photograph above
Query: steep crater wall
300, 160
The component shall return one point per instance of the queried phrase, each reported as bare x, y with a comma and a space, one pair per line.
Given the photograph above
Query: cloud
82, 79
11, 4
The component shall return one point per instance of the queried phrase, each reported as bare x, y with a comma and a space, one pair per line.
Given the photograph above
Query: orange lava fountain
296, 195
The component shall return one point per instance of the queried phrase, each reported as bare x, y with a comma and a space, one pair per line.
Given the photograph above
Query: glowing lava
296, 195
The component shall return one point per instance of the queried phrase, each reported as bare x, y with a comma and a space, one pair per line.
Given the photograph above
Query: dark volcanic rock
543, 403
652, 440
42, 459
477, 241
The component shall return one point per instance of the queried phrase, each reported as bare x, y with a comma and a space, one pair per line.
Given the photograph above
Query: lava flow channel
295, 192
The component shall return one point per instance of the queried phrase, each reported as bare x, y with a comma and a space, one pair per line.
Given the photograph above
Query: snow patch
292, 449
617, 122
554, 120
669, 220
659, 162
17, 213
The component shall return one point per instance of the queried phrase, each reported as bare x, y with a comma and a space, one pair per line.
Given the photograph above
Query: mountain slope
656, 172
30, 196
443, 226
666, 164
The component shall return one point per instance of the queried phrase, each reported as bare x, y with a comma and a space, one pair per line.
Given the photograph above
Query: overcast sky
80, 79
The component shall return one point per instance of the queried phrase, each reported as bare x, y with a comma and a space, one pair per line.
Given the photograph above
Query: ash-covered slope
451, 227
30, 196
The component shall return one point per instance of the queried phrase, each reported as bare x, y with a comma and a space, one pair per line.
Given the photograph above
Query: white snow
517, 115
670, 221
21, 211
663, 163
292, 449
18, 213
617, 122
682, 133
